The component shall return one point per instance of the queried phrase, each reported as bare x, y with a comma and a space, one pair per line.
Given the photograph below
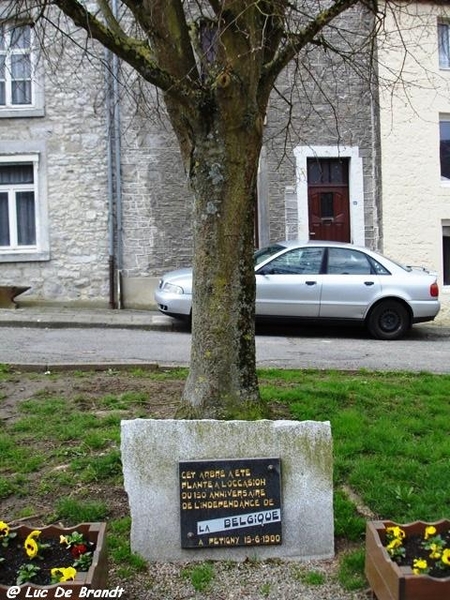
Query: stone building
94, 203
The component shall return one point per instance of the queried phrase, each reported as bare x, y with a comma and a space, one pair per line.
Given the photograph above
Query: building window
444, 147
446, 253
21, 90
324, 171
15, 66
17, 206
444, 45
23, 211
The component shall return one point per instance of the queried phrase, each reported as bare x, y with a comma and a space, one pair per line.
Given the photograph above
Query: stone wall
71, 141
329, 106
329, 102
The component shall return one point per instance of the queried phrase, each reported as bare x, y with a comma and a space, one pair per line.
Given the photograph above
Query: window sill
16, 113
34, 256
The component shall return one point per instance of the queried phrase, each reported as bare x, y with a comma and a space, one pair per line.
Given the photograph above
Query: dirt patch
86, 392
163, 396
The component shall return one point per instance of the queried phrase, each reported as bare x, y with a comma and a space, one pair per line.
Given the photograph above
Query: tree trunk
222, 382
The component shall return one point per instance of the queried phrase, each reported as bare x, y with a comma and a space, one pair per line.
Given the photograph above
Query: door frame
355, 184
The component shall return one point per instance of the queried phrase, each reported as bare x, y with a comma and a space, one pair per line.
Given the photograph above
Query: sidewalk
64, 317
59, 317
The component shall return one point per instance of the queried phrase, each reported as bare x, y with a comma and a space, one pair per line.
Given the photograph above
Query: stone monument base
152, 451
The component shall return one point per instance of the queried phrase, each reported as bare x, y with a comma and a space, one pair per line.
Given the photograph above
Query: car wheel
388, 320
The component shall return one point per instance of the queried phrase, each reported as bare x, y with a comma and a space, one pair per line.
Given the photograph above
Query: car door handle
310, 282
369, 282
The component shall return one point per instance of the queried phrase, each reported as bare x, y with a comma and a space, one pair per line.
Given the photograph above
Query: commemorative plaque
225, 503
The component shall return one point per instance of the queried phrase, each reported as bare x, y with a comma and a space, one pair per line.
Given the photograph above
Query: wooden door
328, 199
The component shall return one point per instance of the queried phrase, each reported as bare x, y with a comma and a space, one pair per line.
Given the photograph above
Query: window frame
443, 118
40, 250
12, 191
444, 53
36, 107
446, 253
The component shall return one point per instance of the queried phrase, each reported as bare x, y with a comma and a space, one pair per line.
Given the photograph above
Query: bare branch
110, 18
135, 52
295, 42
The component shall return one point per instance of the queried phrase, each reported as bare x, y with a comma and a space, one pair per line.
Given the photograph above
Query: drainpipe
110, 185
114, 160
118, 174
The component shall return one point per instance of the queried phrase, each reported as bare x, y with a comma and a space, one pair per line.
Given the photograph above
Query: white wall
414, 92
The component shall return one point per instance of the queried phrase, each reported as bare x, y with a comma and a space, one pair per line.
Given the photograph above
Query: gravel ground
272, 580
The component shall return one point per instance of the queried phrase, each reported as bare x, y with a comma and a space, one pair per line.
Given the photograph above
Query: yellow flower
435, 551
63, 540
34, 534
396, 532
31, 547
429, 531
446, 556
394, 543
4, 529
419, 566
63, 573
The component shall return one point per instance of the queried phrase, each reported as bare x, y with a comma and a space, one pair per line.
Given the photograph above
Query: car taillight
434, 290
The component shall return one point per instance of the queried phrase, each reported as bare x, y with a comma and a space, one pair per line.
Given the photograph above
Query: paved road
427, 348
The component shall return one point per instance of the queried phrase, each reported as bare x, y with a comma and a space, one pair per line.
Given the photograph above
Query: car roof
299, 243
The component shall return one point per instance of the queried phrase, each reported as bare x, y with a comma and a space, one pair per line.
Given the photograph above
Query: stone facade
333, 107
330, 112
70, 140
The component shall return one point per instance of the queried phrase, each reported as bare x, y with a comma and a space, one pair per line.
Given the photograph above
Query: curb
92, 325
75, 319
85, 367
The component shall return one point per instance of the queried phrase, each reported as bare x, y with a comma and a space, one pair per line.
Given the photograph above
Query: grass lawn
60, 446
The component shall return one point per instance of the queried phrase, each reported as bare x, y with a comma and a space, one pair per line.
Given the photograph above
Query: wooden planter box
95, 578
387, 580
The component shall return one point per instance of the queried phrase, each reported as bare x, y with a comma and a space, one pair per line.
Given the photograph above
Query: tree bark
222, 381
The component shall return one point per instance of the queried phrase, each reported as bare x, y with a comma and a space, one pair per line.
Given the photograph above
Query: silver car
326, 281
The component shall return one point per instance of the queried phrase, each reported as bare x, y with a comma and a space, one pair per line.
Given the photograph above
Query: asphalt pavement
41, 335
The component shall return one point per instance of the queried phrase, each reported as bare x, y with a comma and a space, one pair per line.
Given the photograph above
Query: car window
265, 253
379, 269
296, 262
347, 262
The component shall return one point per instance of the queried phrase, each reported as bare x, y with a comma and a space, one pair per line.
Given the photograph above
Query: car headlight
173, 289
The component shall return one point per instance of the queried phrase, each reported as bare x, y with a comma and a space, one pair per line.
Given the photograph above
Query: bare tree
216, 63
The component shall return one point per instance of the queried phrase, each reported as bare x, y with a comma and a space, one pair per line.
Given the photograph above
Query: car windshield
265, 253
